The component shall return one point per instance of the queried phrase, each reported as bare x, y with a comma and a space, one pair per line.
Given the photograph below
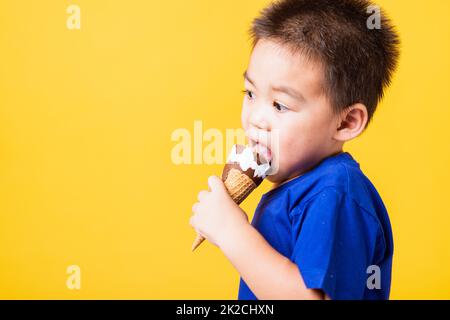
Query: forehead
273, 64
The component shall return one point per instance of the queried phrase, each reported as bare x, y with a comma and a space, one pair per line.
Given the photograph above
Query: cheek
244, 115
296, 139
293, 134
305, 135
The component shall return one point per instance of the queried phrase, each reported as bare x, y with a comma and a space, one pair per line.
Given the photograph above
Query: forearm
268, 274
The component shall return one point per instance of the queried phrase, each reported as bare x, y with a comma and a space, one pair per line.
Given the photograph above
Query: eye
249, 94
279, 107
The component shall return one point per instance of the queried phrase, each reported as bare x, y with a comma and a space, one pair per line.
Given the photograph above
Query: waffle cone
239, 186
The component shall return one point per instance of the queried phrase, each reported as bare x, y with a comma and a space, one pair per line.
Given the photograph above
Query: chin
277, 178
283, 176
272, 179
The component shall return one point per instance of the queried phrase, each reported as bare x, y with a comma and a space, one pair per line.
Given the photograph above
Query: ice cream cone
239, 179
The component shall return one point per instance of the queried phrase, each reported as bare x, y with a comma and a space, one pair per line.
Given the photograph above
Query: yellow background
86, 118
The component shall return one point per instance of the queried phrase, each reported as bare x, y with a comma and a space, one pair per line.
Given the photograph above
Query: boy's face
285, 102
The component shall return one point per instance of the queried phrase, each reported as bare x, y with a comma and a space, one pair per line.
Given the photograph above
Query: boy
316, 75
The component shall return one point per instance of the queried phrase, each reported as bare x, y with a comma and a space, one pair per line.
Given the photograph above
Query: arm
269, 274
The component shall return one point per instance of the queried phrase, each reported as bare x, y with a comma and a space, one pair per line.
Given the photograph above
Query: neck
298, 174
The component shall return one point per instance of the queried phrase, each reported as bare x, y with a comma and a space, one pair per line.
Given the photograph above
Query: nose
259, 118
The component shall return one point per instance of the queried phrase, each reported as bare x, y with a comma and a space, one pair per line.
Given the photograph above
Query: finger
199, 233
192, 221
216, 184
201, 195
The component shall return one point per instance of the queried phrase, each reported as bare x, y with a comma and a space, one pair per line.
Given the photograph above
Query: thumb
216, 184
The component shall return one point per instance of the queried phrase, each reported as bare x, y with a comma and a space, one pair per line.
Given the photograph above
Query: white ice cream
247, 160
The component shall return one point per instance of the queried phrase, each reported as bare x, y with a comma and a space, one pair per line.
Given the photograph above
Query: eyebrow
284, 89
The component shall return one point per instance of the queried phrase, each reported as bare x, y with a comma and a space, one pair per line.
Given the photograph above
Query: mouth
261, 150
260, 141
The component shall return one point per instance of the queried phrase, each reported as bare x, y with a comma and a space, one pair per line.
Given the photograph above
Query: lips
258, 141
263, 151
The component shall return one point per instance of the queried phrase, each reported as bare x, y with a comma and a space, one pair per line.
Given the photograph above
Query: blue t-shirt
331, 222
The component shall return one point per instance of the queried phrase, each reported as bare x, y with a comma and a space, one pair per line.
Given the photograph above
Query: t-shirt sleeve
333, 244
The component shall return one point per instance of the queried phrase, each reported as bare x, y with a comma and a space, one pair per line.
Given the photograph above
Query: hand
216, 215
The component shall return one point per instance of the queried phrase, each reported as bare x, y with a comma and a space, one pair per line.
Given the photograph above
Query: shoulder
333, 211
343, 177
340, 188
329, 177
336, 184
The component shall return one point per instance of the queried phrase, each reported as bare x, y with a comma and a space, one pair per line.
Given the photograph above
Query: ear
352, 122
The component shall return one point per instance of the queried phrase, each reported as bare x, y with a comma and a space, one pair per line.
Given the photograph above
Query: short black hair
358, 61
